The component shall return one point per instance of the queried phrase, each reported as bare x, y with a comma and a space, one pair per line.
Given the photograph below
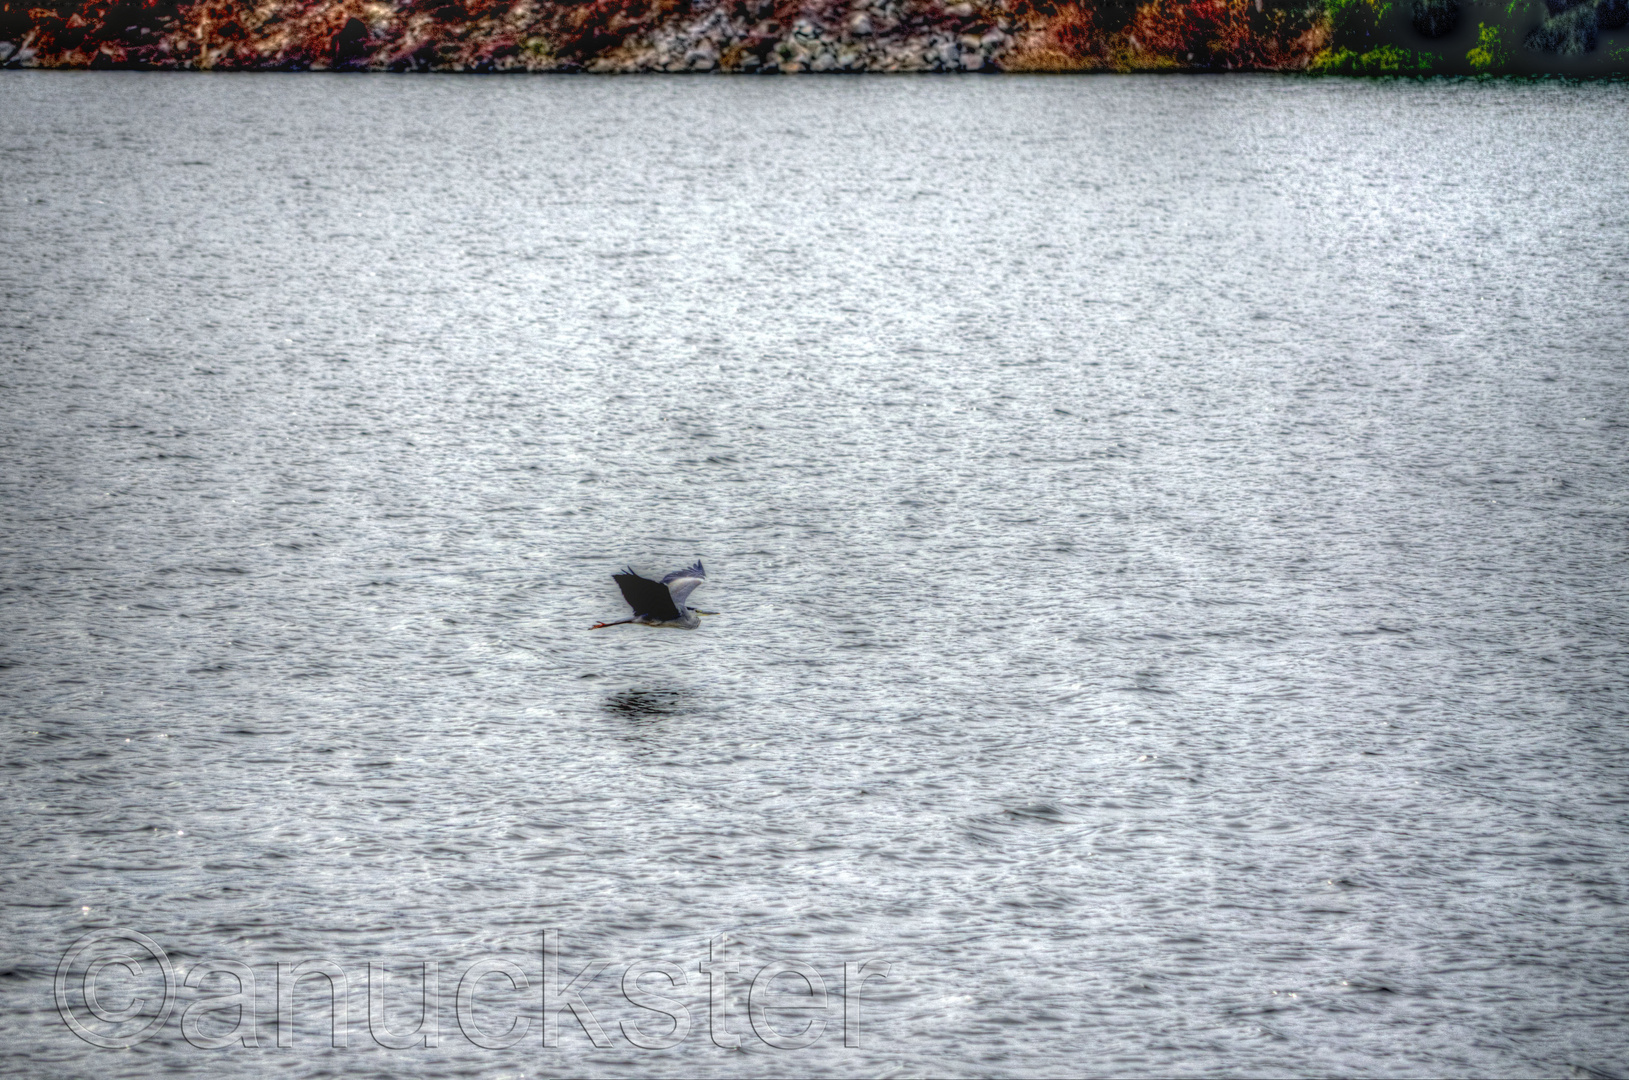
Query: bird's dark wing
645, 596
693, 571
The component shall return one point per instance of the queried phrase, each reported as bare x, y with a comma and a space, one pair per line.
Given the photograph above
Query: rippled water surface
1169, 538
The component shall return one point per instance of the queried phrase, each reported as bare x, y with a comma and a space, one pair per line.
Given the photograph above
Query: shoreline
1584, 39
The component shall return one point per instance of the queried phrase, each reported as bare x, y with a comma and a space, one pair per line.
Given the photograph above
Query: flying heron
661, 603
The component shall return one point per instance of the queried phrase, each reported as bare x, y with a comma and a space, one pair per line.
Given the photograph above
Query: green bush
1353, 23
1386, 60
1490, 54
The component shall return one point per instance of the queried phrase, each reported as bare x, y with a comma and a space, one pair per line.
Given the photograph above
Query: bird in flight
661, 603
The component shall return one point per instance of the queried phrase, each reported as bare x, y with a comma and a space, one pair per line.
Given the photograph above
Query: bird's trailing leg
619, 622
698, 611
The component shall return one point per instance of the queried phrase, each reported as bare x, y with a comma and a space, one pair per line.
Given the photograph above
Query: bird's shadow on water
646, 705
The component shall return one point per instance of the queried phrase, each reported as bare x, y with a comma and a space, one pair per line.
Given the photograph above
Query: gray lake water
1169, 536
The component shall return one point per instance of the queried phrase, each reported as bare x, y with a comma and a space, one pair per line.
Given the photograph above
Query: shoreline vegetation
1412, 38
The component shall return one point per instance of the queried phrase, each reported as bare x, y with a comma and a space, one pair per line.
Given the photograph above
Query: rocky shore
819, 36
602, 36
883, 37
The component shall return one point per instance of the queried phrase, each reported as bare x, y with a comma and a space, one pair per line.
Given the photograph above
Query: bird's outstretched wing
690, 571
683, 582
645, 596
